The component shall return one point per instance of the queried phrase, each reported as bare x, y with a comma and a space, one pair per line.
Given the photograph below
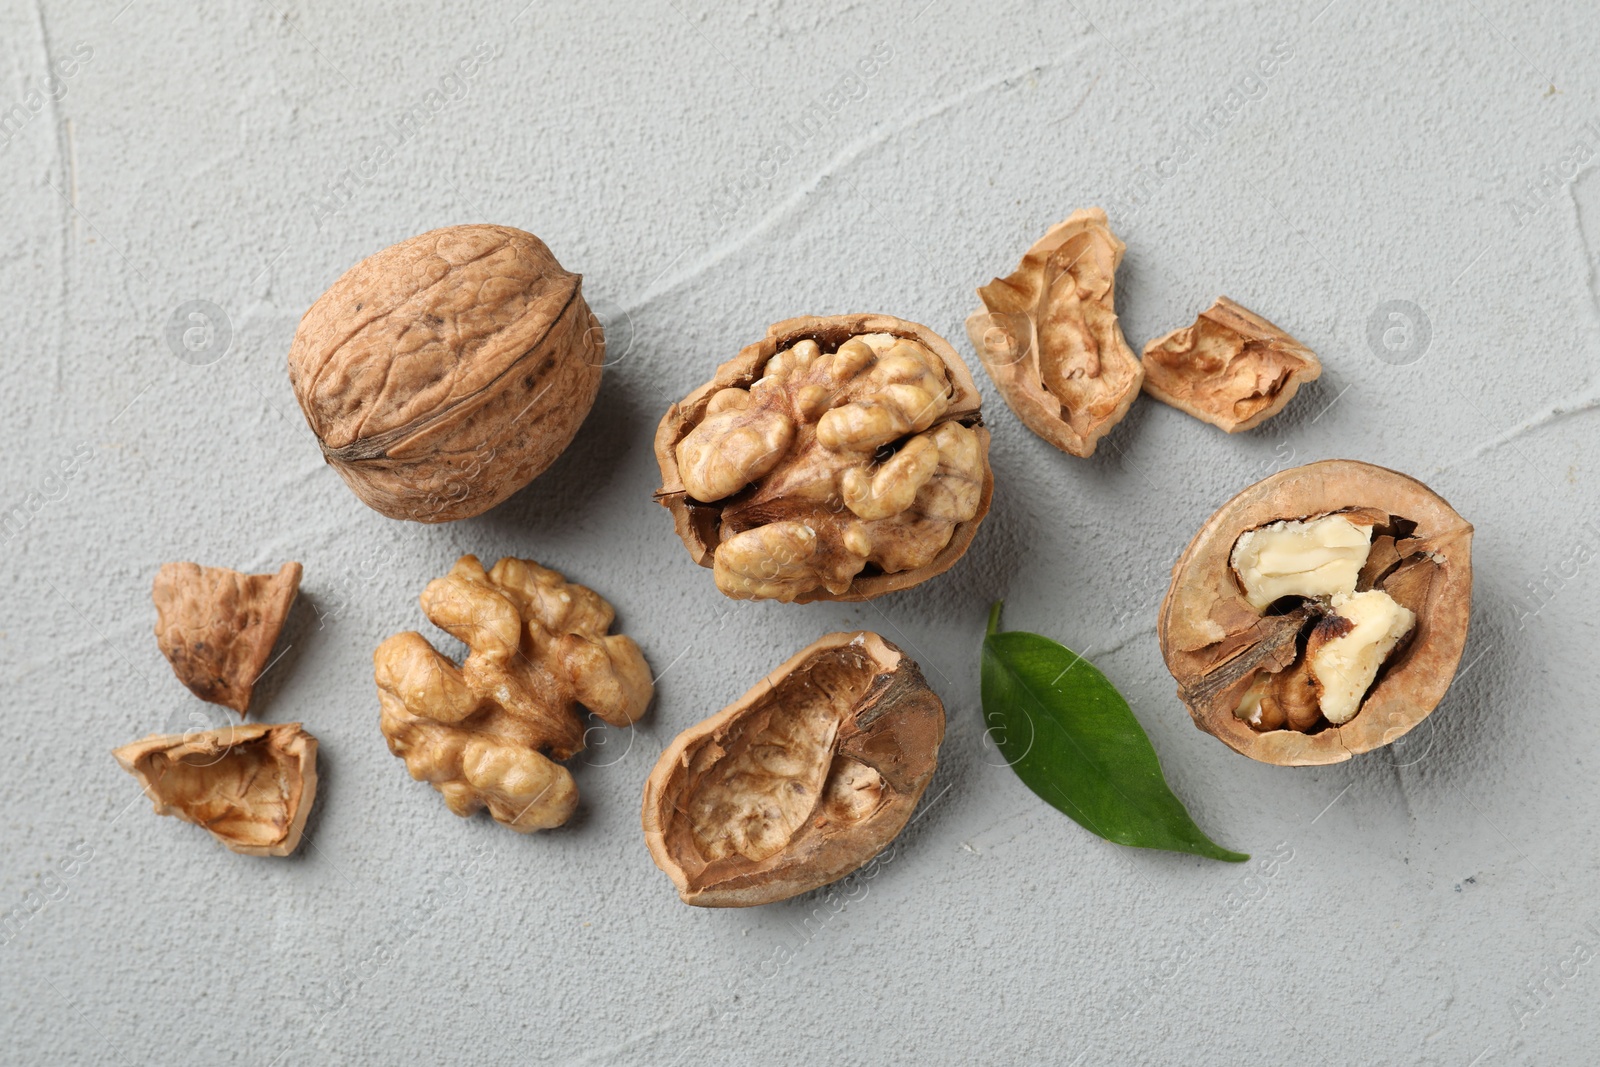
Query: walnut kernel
837, 459
1320, 613
486, 733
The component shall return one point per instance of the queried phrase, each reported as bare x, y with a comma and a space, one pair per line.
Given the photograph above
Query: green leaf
1073, 740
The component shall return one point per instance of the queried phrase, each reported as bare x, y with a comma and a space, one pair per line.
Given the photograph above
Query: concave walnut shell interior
1049, 336
444, 373
798, 782
1215, 644
250, 785
698, 524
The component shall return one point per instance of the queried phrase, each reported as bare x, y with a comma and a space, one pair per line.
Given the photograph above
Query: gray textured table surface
710, 169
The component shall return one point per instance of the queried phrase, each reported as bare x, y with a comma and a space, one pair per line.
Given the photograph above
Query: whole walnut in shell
836, 459
1320, 613
798, 782
251, 785
487, 733
444, 373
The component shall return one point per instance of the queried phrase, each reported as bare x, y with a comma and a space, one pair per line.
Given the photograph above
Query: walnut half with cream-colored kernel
837, 459
251, 785
1320, 613
1049, 337
1231, 368
487, 733
798, 782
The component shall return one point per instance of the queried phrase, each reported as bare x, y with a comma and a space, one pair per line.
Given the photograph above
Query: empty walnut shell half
1049, 337
444, 373
217, 626
1320, 613
250, 785
837, 458
798, 782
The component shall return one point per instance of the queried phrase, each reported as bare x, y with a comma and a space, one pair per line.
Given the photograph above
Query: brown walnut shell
444, 373
700, 524
1231, 367
217, 626
250, 785
1049, 337
1216, 645
798, 782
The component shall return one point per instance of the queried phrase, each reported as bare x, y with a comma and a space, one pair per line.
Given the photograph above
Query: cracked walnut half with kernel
837, 459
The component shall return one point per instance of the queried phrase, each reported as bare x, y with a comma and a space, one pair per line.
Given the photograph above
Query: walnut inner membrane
752, 788
1340, 598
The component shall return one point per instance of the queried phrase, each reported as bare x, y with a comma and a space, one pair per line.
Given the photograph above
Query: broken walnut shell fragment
1049, 337
1224, 653
1231, 368
217, 626
838, 458
444, 373
250, 785
798, 782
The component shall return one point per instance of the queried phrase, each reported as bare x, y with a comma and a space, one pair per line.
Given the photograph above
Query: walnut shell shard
1231, 368
806, 512
1049, 337
798, 782
1218, 647
250, 785
217, 626
444, 373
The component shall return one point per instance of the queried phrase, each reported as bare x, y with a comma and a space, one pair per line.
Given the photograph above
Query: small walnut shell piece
798, 782
487, 733
837, 459
250, 785
444, 373
217, 627
1049, 337
1245, 673
1232, 368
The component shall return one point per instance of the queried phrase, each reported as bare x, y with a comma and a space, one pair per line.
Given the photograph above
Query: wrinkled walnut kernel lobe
800, 781
486, 733
837, 459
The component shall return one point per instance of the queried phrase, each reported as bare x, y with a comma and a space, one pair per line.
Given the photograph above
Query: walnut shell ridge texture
487, 733
444, 373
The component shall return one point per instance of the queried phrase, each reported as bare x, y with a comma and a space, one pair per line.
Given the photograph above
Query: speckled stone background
1412, 192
